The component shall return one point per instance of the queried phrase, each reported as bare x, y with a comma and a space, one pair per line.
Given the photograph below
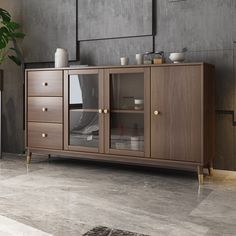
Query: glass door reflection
83, 110
126, 111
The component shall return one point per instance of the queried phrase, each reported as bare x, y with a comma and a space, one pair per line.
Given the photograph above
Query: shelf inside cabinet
84, 110
128, 111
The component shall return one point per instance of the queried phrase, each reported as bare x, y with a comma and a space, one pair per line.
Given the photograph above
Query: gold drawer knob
45, 84
44, 135
44, 109
106, 111
156, 113
100, 111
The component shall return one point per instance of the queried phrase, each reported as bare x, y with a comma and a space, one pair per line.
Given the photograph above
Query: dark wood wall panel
12, 96
114, 18
225, 158
234, 76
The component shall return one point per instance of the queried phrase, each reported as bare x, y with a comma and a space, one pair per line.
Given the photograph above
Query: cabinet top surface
118, 66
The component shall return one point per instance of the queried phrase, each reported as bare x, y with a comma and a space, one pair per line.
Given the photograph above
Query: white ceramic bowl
138, 101
177, 57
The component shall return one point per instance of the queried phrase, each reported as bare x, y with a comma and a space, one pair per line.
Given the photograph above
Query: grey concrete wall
12, 97
114, 18
105, 52
48, 25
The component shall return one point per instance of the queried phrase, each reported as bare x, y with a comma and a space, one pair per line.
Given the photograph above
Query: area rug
105, 231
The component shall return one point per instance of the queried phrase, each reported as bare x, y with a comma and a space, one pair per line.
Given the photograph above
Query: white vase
61, 58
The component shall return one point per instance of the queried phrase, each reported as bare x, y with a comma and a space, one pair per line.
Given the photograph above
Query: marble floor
64, 197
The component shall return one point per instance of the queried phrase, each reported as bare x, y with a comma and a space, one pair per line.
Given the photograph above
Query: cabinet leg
29, 157
210, 169
200, 174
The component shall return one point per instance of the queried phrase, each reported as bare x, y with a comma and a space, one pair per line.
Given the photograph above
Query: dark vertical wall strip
154, 23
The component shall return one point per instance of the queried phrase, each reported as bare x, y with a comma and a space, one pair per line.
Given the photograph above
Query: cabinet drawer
44, 135
45, 83
45, 109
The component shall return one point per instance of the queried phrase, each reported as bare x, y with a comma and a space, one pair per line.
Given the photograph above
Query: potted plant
9, 34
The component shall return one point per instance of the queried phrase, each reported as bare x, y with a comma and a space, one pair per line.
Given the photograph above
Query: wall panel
108, 52
48, 25
196, 24
114, 18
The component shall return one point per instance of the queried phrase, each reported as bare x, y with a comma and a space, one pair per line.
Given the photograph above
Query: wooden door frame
146, 72
68, 147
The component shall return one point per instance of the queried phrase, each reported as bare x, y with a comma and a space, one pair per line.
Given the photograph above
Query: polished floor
64, 197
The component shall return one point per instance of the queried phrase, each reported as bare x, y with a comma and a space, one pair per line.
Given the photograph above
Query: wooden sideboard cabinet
152, 115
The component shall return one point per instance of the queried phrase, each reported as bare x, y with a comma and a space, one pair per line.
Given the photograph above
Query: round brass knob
100, 111
44, 135
156, 113
45, 84
105, 111
44, 109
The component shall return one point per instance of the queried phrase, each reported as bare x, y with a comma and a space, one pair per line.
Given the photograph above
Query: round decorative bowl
177, 57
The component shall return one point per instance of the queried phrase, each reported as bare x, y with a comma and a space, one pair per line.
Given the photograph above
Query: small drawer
44, 135
45, 109
45, 83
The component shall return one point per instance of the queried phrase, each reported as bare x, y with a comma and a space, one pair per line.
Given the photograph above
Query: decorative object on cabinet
139, 59
159, 58
147, 58
174, 128
61, 58
177, 57
124, 61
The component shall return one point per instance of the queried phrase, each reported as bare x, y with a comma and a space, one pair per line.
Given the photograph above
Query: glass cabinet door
84, 123
126, 121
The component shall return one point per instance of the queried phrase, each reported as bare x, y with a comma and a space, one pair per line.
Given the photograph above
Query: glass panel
83, 91
127, 91
84, 129
127, 131
83, 114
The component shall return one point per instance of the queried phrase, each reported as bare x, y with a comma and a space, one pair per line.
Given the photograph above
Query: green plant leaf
11, 25
15, 59
17, 51
9, 31
5, 15
16, 35
4, 39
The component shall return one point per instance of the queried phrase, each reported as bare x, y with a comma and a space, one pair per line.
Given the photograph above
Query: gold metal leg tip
28, 159
211, 170
200, 179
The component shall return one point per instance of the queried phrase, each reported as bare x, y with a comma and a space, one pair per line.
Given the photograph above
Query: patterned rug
105, 231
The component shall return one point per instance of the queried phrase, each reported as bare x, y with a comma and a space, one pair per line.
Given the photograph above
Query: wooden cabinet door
176, 100
83, 103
